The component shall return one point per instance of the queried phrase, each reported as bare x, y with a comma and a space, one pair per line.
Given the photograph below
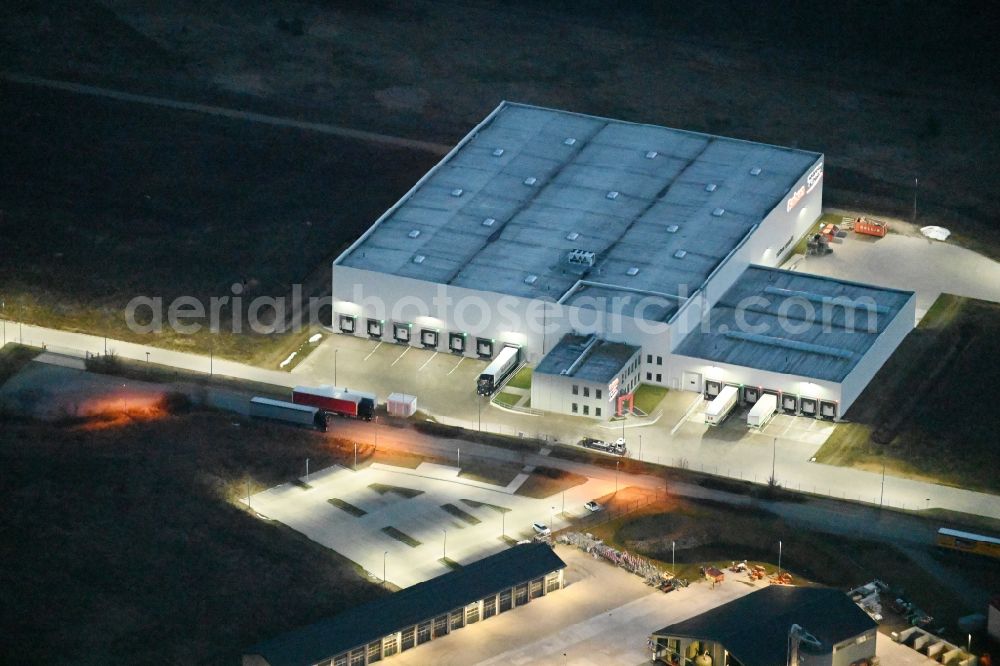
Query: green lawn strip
495, 473
450, 563
458, 513
401, 536
522, 379
506, 399
347, 506
382, 489
647, 397
13, 358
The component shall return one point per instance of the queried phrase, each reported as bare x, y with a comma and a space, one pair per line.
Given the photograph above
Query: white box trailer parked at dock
719, 408
401, 404
762, 411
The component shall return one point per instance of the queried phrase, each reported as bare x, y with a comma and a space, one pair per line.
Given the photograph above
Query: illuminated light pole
673, 559
616, 476
385, 554
444, 545
881, 496
355, 456
503, 524
479, 409
916, 184
459, 463
335, 366
774, 457
640, 448
779, 559
307, 470
124, 400
248, 494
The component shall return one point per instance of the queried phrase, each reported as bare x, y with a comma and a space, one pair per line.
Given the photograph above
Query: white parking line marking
427, 361
456, 365
373, 351
400, 356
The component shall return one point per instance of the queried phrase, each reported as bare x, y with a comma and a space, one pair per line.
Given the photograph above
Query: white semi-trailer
762, 411
289, 412
719, 408
496, 372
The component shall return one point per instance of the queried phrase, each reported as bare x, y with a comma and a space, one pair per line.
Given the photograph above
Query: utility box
401, 404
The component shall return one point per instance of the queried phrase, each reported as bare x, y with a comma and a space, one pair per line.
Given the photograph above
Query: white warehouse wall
880, 351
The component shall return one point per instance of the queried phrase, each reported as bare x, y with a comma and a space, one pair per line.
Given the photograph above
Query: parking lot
603, 616
416, 516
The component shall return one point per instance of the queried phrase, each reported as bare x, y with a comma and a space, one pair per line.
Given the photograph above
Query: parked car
593, 506
541, 528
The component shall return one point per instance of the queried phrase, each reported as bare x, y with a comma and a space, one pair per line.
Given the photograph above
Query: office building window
586, 410
597, 411
598, 394
574, 408
659, 360
586, 391
659, 377
576, 390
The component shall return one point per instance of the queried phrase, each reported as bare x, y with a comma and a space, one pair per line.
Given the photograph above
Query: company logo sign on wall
812, 180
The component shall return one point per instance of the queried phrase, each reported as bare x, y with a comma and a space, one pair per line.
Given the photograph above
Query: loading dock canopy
408, 607
754, 628
795, 324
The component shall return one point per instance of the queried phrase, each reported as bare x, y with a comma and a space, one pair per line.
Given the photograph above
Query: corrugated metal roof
794, 323
424, 601
586, 358
659, 175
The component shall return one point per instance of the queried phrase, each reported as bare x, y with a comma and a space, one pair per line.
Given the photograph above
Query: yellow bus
967, 542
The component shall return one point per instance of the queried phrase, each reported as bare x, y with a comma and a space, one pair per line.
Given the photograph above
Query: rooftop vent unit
581, 258
613, 194
569, 141
755, 171
711, 187
530, 180
651, 154
672, 229
418, 258
457, 192
572, 235
634, 270
497, 152
531, 279
718, 212
489, 222
414, 233
680, 254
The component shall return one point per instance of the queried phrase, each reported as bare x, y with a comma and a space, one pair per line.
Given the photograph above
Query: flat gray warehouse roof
586, 358
529, 185
764, 322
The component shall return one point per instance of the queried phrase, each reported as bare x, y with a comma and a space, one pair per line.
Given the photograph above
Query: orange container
870, 227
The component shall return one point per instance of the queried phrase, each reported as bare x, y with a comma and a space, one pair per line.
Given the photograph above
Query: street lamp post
503, 524
640, 448
673, 559
881, 496
479, 410
385, 553
928, 502
459, 463
444, 546
779, 558
355, 456
335, 366
307, 470
916, 184
617, 462
774, 457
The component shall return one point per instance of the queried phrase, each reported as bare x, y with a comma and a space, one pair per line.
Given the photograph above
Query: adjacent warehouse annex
542, 224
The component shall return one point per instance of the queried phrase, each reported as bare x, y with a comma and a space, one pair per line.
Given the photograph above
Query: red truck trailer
339, 401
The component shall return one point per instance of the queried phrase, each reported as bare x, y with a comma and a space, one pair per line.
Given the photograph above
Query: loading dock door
692, 381
828, 409
429, 338
456, 342
712, 388
374, 328
484, 347
808, 406
751, 395
789, 403
401, 332
347, 323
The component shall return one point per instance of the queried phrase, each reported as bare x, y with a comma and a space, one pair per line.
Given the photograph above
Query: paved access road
672, 439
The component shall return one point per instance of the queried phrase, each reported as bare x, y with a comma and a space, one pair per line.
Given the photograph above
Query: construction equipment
871, 227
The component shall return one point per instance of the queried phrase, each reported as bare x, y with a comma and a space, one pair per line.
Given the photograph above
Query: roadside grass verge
382, 489
461, 515
355, 511
522, 379
399, 535
648, 397
547, 481
914, 415
13, 358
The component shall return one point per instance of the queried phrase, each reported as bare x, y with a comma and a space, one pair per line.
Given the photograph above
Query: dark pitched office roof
359, 626
754, 628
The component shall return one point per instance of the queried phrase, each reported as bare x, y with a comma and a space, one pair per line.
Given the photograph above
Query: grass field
522, 379
127, 545
106, 201
506, 399
547, 481
647, 397
929, 412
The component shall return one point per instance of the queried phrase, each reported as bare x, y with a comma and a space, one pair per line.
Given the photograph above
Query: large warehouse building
542, 224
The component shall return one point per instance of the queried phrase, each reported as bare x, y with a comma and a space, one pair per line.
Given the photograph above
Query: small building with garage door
429, 610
